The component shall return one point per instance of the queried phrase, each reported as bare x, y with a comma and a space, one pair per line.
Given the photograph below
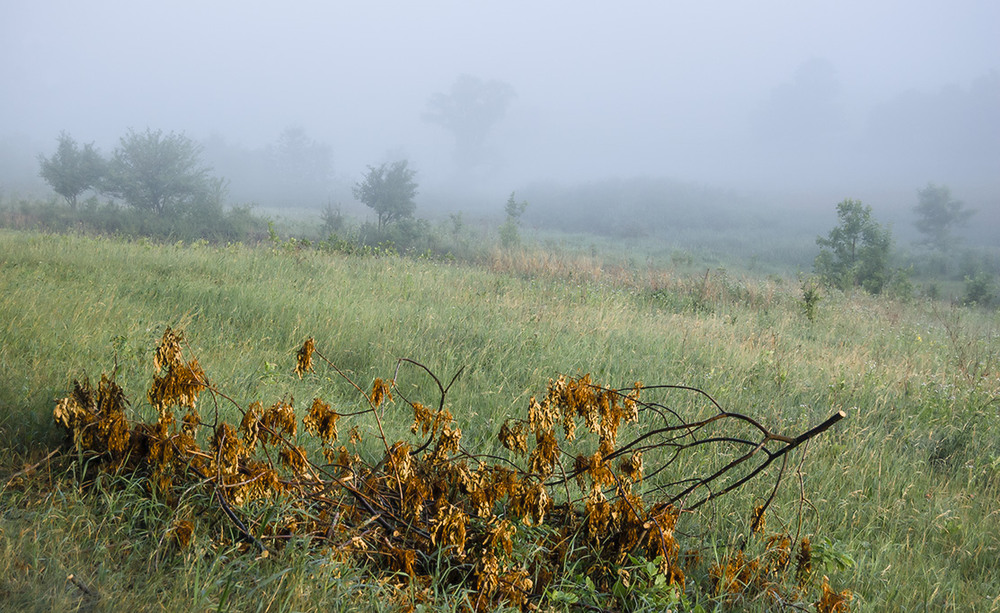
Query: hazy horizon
802, 97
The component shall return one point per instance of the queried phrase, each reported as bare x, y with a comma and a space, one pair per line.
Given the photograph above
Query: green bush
979, 290
208, 221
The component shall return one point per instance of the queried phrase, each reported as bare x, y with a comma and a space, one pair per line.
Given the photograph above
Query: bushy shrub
979, 290
210, 222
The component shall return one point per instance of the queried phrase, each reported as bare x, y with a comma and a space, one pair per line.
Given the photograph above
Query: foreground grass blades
900, 499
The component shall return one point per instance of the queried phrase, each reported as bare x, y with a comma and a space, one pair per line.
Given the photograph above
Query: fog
830, 99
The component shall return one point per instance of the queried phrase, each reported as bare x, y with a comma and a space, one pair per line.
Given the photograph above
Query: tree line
856, 252
163, 173
150, 171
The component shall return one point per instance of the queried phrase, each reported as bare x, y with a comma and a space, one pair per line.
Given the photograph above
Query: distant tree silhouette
937, 214
469, 111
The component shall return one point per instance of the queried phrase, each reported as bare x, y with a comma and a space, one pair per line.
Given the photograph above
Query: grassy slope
907, 485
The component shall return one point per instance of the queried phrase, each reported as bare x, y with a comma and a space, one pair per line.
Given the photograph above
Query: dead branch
433, 499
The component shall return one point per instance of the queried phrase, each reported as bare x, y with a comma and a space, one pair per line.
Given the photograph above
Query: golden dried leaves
513, 436
277, 423
832, 602
96, 418
303, 360
183, 381
437, 499
803, 561
448, 529
227, 449
758, 520
168, 353
381, 392
321, 421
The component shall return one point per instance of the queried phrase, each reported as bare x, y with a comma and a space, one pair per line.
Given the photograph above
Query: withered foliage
381, 392
96, 418
183, 381
573, 491
304, 358
832, 602
182, 533
742, 577
321, 421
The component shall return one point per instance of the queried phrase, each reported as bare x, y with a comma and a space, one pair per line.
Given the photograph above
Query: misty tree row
159, 172
856, 252
151, 171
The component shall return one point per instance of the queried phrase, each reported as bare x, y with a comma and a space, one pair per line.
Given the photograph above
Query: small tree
161, 173
71, 170
938, 214
509, 236
389, 190
857, 250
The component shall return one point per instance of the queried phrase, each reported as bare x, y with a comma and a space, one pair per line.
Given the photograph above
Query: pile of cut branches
569, 492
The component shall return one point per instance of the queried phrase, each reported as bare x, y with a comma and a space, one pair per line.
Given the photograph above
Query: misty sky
719, 92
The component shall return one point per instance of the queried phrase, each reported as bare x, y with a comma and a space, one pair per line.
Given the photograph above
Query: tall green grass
907, 487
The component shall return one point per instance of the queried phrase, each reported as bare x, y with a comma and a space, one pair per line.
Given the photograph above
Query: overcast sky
718, 92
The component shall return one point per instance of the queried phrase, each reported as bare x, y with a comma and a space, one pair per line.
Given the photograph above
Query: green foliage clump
215, 224
979, 290
158, 188
71, 170
856, 252
509, 235
389, 190
810, 298
161, 173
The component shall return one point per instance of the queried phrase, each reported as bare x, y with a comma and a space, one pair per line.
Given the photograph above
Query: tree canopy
72, 170
161, 172
389, 189
302, 161
469, 111
938, 214
856, 251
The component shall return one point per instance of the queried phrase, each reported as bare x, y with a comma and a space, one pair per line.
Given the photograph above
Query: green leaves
71, 170
161, 173
389, 189
857, 250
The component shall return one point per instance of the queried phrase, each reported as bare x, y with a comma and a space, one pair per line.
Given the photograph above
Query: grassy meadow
901, 499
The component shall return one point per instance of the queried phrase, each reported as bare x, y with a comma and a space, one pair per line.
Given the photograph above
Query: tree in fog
161, 173
804, 113
856, 252
469, 111
389, 190
303, 163
71, 170
938, 214
954, 127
